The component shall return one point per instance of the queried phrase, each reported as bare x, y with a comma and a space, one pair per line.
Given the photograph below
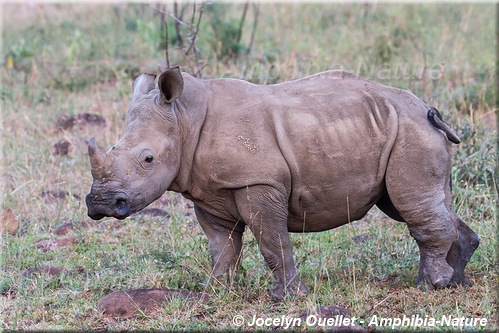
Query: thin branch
253, 32
195, 33
241, 23
177, 24
164, 25
179, 21
186, 51
196, 69
200, 68
192, 38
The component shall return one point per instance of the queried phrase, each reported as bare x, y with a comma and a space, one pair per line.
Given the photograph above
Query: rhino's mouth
118, 207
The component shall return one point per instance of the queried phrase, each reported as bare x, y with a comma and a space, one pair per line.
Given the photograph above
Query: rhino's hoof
424, 286
427, 283
464, 281
442, 277
294, 289
440, 283
300, 289
434, 274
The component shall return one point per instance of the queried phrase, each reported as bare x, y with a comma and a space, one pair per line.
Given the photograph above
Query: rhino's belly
319, 221
326, 209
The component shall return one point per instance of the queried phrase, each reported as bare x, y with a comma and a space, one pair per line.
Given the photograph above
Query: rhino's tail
436, 120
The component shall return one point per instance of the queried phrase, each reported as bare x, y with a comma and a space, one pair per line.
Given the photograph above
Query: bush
475, 160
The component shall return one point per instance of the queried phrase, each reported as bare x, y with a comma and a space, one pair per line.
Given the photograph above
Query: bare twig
164, 25
241, 23
196, 68
192, 38
253, 32
374, 306
195, 33
198, 74
177, 24
176, 19
186, 50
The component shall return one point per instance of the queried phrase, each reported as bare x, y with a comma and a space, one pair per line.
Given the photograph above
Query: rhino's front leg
225, 244
265, 211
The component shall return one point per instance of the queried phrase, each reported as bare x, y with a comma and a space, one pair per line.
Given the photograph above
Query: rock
5, 286
52, 196
8, 222
332, 310
61, 147
338, 313
48, 245
81, 120
65, 228
50, 270
127, 303
70, 145
361, 238
110, 225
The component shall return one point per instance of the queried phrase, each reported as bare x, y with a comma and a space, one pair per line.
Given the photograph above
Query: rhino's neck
190, 111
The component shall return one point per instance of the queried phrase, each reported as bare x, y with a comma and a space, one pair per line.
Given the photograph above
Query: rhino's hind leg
425, 278
461, 251
434, 236
225, 246
386, 206
265, 211
417, 182
433, 228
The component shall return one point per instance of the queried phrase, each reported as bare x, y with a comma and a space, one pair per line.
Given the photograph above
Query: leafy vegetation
68, 59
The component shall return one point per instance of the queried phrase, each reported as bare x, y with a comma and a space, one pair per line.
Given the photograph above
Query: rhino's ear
143, 84
171, 84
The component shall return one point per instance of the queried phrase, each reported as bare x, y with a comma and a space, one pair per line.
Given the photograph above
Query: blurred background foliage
442, 52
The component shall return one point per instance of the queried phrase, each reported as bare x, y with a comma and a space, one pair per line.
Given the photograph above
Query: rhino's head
144, 162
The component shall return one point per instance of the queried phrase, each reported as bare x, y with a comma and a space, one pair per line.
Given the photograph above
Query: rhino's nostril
120, 204
122, 208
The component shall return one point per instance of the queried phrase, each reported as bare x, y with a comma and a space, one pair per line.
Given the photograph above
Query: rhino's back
325, 139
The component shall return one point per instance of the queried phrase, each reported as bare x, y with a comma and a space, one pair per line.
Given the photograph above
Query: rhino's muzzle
118, 208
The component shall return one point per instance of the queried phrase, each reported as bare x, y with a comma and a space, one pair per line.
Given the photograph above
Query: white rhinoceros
301, 156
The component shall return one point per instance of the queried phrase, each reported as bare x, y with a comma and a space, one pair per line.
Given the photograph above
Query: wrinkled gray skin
302, 156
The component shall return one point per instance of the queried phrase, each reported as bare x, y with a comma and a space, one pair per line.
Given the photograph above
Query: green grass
70, 59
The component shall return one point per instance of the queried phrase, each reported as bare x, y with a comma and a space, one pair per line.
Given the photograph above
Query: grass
69, 59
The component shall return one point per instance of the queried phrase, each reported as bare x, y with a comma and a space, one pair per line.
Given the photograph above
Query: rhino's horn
142, 85
97, 158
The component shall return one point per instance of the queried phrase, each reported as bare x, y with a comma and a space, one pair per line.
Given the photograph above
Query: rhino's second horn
97, 158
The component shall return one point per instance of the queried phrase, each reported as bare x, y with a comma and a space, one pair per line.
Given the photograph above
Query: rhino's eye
149, 159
